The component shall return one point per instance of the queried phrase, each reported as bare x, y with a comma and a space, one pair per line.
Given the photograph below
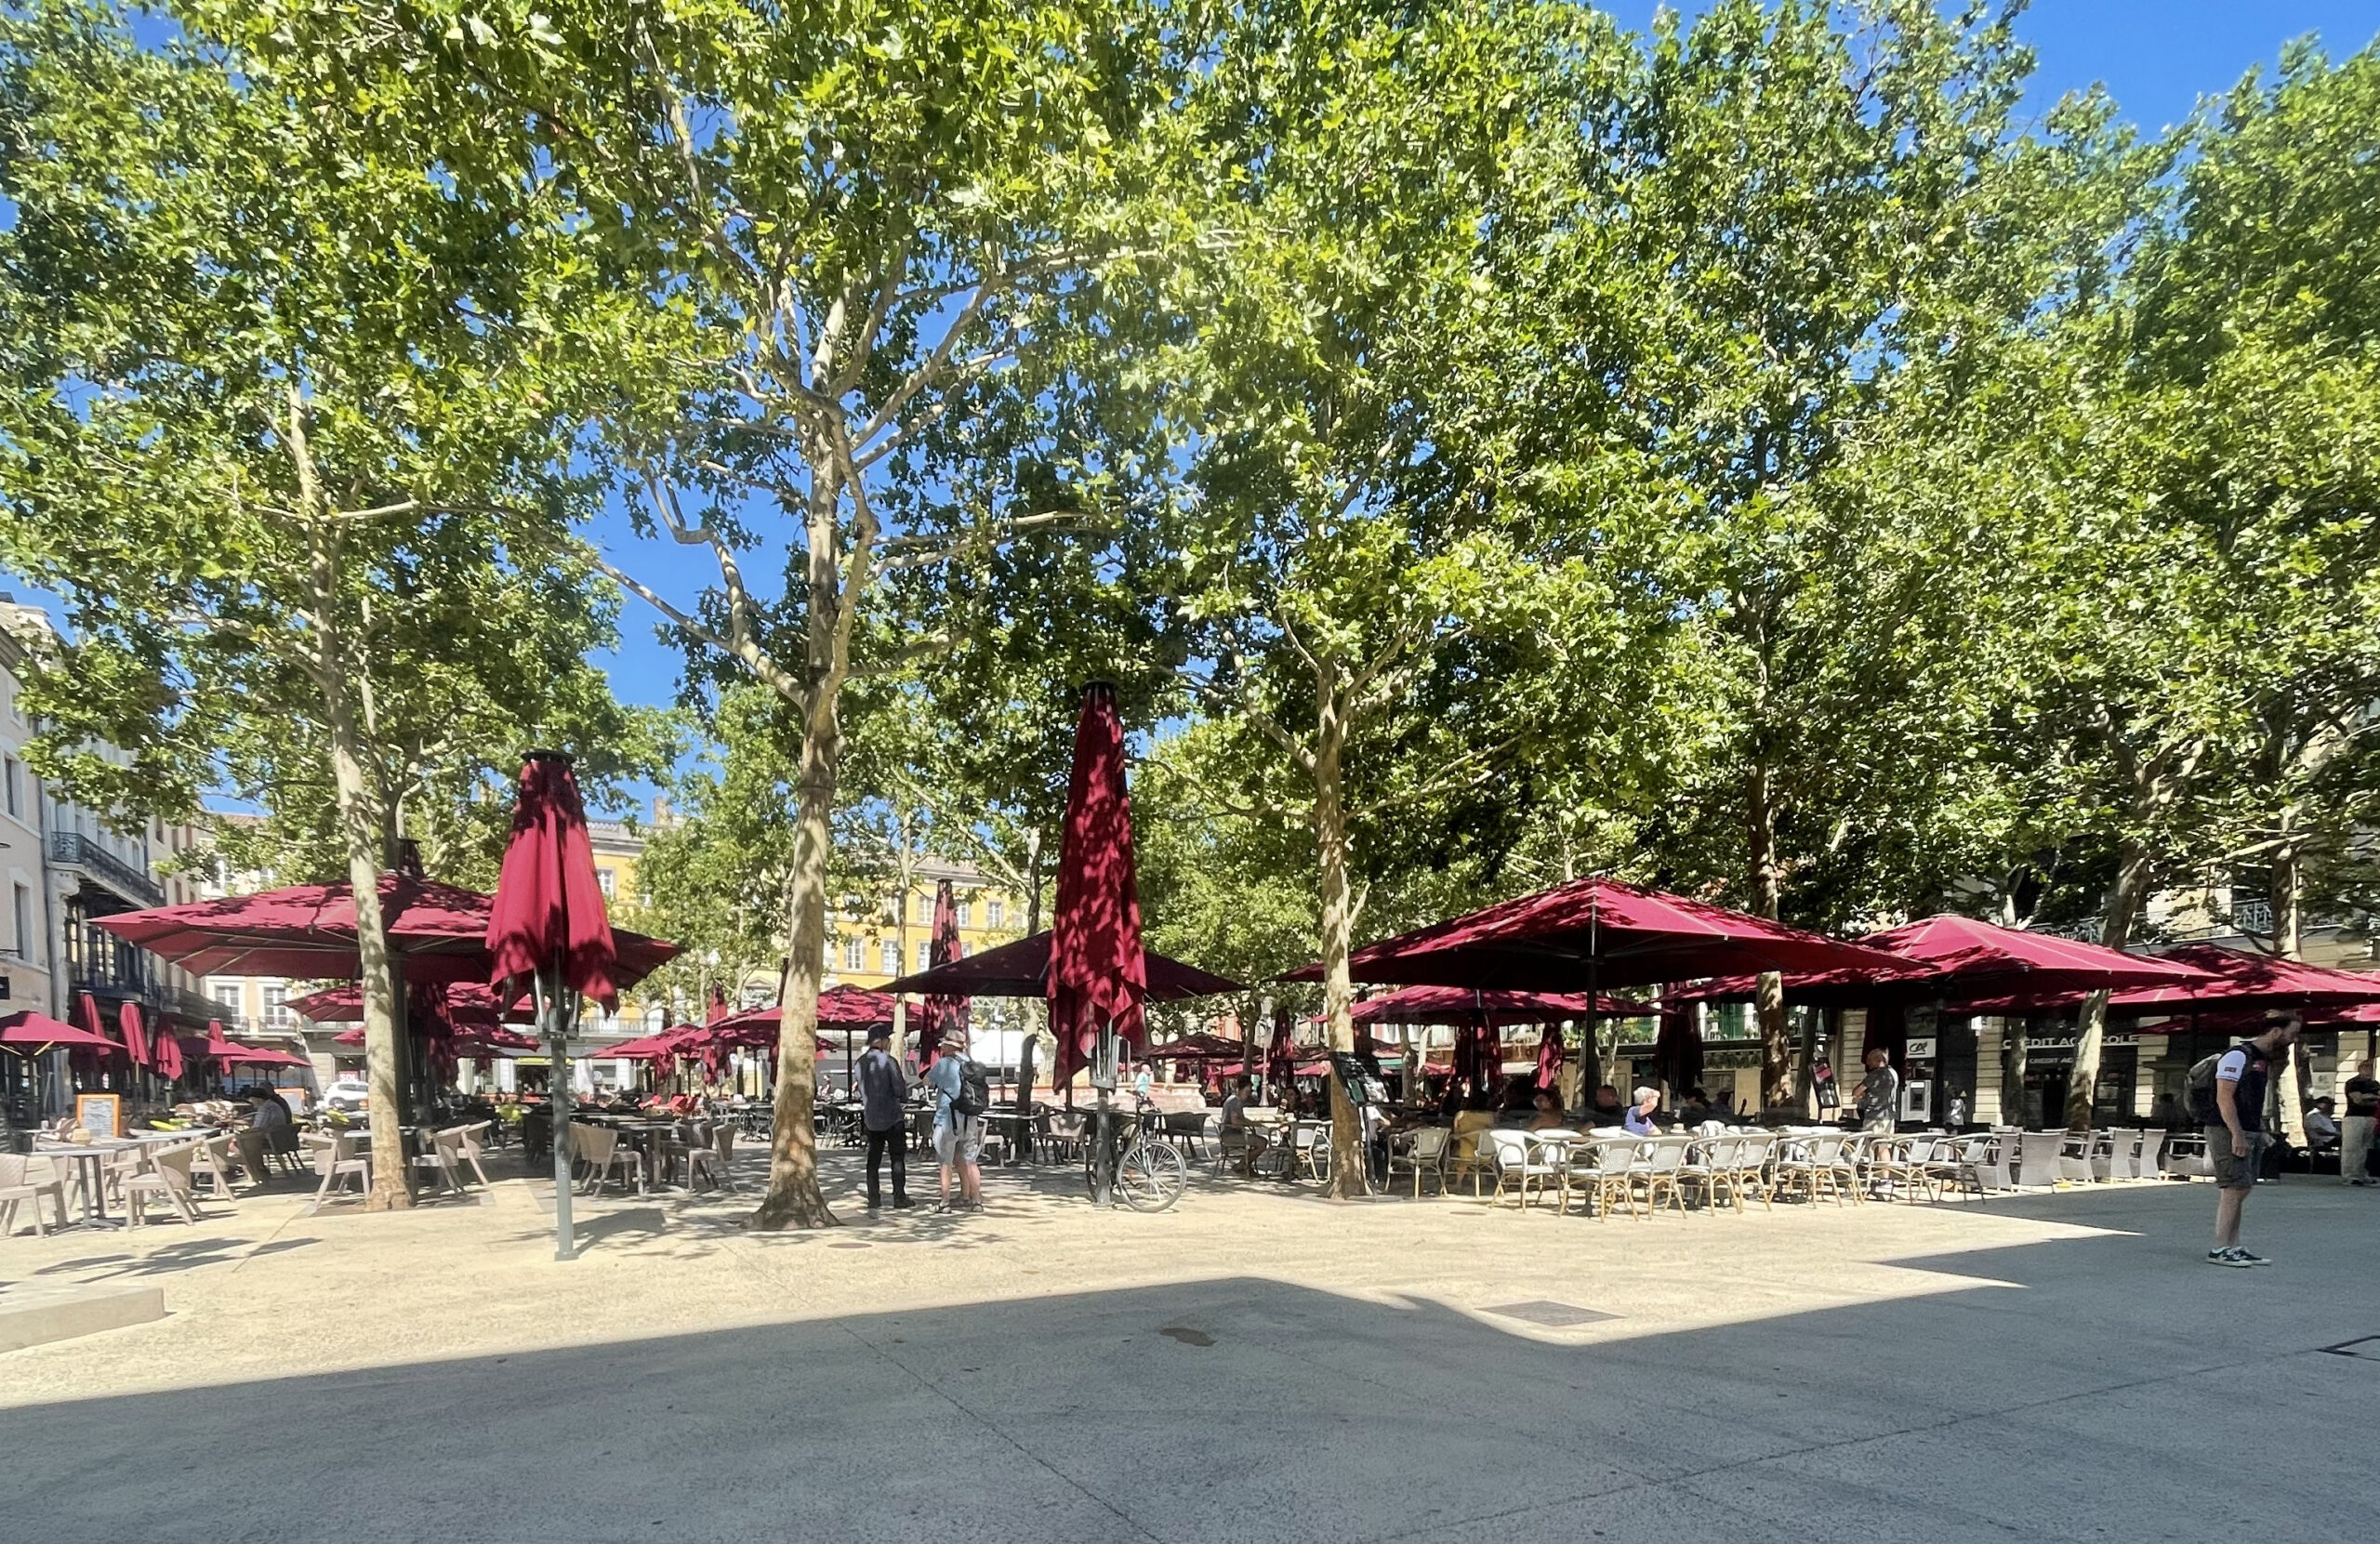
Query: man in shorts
2235, 1142
958, 1140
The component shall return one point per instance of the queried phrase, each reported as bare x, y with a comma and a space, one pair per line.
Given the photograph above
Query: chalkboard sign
101, 1114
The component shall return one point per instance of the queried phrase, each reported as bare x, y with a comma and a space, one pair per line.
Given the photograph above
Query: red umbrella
1463, 1005
136, 1037
1677, 1048
1098, 978
1195, 1048
309, 931
549, 914
1550, 1054
29, 1034
1022, 969
1597, 929
547, 925
470, 1005
1961, 958
1281, 1058
236, 1055
941, 1014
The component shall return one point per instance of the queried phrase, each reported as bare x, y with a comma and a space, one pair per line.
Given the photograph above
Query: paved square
1256, 1365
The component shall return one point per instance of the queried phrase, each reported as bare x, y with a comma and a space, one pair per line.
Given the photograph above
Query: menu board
101, 1114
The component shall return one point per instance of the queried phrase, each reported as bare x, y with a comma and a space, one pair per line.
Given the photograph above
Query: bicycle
1150, 1172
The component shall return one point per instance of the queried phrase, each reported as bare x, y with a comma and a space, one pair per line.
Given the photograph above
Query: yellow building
872, 940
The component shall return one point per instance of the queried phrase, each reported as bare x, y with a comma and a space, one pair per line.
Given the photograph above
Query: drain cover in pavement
2365, 1349
1553, 1315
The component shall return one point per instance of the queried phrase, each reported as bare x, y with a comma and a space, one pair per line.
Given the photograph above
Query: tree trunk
360, 825
2124, 904
1349, 1176
793, 1198
1768, 885
2289, 941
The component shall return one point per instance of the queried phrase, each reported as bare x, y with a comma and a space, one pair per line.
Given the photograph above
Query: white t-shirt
2233, 1067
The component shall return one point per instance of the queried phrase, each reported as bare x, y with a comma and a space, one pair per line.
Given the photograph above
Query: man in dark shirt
882, 1092
2363, 1097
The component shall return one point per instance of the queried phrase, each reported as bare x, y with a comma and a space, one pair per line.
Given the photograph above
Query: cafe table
90, 1160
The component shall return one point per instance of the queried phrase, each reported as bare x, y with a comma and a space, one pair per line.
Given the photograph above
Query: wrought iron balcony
2253, 917
74, 850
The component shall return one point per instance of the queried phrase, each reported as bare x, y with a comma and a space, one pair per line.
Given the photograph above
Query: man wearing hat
882, 1092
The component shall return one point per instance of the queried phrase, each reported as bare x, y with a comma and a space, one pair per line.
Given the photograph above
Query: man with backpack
2226, 1093
961, 1094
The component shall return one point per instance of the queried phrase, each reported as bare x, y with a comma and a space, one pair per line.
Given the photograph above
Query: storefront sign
1922, 1050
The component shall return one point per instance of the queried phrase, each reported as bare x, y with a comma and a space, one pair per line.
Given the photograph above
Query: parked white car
346, 1094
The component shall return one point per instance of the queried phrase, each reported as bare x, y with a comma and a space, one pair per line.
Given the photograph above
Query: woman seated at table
1639, 1119
1549, 1115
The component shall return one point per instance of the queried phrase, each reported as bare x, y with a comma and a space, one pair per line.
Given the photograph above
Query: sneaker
2247, 1259
2228, 1257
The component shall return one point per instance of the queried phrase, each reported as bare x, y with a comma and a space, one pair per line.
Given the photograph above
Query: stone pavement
1256, 1365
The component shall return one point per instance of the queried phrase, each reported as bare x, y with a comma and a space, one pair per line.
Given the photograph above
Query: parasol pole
547, 985
1102, 1147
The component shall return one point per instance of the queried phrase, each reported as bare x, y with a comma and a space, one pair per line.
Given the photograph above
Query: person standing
882, 1092
957, 1124
2235, 1137
2362, 1096
1878, 1096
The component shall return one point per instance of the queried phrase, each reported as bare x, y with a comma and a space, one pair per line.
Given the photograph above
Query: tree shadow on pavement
2047, 1391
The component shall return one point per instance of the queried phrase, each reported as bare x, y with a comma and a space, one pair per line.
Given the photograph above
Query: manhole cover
1553, 1315
2366, 1350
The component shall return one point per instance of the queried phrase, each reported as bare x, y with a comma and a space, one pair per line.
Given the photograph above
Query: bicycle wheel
1152, 1176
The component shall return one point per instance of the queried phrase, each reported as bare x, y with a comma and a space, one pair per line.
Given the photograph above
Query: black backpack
2198, 1087
974, 1095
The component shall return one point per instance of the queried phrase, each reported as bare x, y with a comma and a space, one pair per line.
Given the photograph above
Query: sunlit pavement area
1258, 1364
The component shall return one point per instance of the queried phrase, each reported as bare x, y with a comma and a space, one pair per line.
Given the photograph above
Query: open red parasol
1021, 968
1597, 930
1098, 978
29, 1034
1463, 1005
1958, 959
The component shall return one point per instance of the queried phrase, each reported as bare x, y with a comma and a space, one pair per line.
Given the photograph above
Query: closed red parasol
942, 1014
1677, 1048
1281, 1060
1098, 979
547, 927
136, 1037
1549, 1056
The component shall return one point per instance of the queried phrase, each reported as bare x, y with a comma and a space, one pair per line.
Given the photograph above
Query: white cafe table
91, 1158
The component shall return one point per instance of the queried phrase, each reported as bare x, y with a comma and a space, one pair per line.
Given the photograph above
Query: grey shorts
960, 1143
2232, 1173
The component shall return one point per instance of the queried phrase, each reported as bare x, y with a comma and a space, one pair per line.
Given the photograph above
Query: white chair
1613, 1166
2037, 1159
598, 1147
1817, 1162
1420, 1153
23, 1179
2183, 1156
335, 1159
469, 1147
1747, 1171
715, 1160
168, 1177
2074, 1155
212, 1159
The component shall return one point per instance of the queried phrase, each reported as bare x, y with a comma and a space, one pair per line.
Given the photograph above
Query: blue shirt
1639, 1124
944, 1078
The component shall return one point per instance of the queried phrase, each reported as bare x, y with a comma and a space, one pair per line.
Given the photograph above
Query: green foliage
281, 417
